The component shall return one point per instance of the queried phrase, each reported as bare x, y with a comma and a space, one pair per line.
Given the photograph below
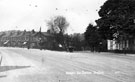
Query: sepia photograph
67, 40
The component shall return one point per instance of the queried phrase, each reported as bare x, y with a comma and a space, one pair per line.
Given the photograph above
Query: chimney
40, 29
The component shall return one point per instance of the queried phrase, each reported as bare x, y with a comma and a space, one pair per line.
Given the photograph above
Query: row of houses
30, 39
45, 40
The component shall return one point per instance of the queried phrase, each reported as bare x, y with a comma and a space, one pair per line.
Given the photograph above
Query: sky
33, 14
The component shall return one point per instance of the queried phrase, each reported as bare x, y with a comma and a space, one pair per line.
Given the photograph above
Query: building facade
128, 44
30, 39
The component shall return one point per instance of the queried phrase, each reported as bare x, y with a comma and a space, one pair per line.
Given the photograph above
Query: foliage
58, 24
78, 41
117, 19
92, 37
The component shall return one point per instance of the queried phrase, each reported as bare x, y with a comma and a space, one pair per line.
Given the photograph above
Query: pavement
33, 65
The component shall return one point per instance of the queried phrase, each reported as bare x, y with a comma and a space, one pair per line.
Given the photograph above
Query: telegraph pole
29, 41
40, 39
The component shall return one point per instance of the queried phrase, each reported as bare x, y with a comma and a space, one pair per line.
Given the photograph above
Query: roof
15, 34
2, 34
47, 34
21, 34
7, 34
24, 33
39, 34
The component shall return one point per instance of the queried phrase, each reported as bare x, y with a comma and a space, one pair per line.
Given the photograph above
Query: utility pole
40, 39
29, 41
0, 60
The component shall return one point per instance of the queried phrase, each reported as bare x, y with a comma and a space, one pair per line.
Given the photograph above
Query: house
6, 39
1, 34
111, 45
121, 44
30, 39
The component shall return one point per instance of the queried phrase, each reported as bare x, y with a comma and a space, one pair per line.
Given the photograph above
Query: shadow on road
1, 76
7, 68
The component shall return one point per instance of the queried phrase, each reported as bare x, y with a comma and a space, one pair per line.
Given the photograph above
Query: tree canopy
57, 24
92, 36
117, 19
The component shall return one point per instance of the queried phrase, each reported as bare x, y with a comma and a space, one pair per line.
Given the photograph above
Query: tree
78, 41
92, 37
33, 31
117, 19
57, 26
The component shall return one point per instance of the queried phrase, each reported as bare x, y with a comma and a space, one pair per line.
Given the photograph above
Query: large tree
58, 26
78, 41
117, 19
92, 37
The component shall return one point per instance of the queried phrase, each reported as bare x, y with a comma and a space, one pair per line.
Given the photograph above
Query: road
33, 65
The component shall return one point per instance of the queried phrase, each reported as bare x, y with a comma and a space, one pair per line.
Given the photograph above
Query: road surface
33, 65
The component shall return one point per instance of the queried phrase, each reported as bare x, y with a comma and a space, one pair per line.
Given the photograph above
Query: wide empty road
33, 65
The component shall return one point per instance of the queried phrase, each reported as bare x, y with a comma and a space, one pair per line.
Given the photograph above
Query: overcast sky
31, 14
